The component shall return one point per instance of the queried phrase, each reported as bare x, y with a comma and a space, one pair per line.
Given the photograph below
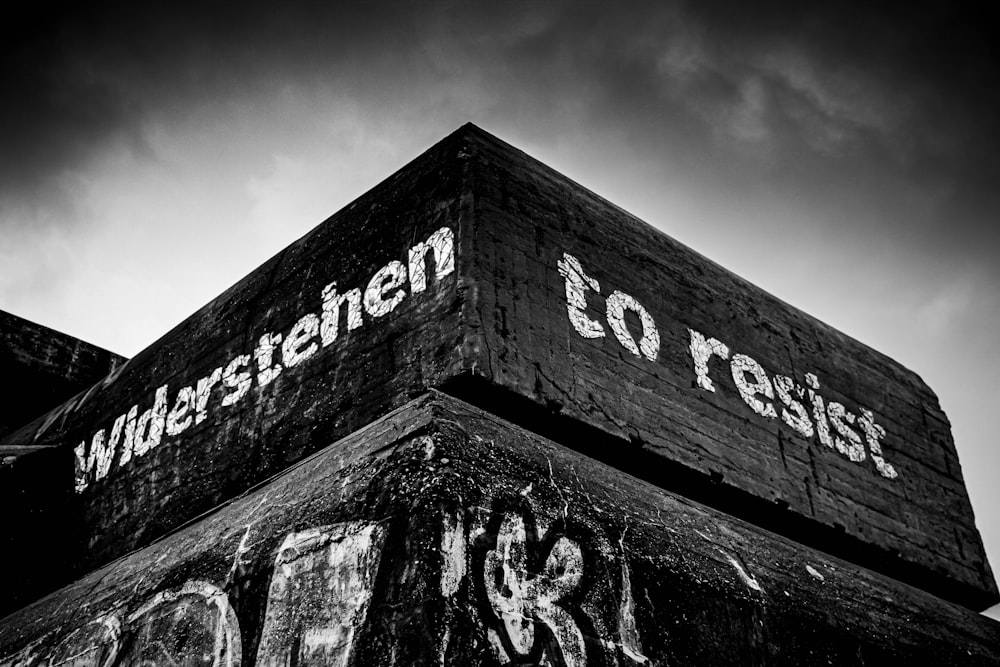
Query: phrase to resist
800, 406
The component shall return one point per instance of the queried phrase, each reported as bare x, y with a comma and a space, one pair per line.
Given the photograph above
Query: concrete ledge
441, 534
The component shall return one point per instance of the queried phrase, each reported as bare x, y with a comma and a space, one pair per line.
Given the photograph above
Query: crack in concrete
558, 490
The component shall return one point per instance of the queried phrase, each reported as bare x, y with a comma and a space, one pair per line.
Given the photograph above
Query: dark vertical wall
701, 382
443, 535
41, 368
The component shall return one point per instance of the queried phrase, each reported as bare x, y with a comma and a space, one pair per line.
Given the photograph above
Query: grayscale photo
556, 334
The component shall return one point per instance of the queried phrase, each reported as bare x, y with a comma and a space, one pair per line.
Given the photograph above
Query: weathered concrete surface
270, 371
484, 273
444, 535
41, 368
608, 326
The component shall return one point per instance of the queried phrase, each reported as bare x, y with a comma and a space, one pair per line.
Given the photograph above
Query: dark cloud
848, 102
82, 76
53, 114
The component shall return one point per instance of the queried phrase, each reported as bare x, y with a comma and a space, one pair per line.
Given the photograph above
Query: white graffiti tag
522, 600
319, 594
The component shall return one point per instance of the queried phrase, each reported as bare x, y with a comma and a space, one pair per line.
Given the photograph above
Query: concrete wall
441, 534
42, 368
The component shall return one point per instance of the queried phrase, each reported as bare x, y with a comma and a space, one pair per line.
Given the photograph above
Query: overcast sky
843, 159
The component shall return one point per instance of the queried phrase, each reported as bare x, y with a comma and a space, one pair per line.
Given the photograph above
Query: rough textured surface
41, 368
601, 320
444, 535
273, 369
479, 271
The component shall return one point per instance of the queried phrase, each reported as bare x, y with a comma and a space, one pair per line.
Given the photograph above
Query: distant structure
483, 416
42, 367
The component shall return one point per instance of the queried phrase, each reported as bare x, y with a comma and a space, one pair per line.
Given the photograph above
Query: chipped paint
649, 344
274, 353
267, 369
453, 554
319, 594
178, 420
749, 377
577, 284
818, 411
874, 434
521, 599
627, 629
299, 344
202, 392
441, 245
332, 305
385, 289
702, 349
742, 365
845, 440
238, 381
96, 644
848, 441
788, 392
751, 582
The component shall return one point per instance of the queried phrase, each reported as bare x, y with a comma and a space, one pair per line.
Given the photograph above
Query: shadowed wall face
444, 535
41, 368
709, 384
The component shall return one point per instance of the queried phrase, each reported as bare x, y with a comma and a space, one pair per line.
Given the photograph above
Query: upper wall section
335, 331
480, 271
709, 383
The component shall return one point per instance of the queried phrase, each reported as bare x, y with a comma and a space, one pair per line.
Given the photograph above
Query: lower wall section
440, 535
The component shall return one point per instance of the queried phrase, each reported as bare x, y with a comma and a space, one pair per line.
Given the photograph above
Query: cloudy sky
846, 160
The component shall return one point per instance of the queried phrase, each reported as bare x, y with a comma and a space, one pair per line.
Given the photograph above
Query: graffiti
522, 600
549, 592
454, 555
319, 595
134, 435
845, 440
577, 284
524, 583
750, 379
194, 625
741, 366
94, 645
649, 343
754, 384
